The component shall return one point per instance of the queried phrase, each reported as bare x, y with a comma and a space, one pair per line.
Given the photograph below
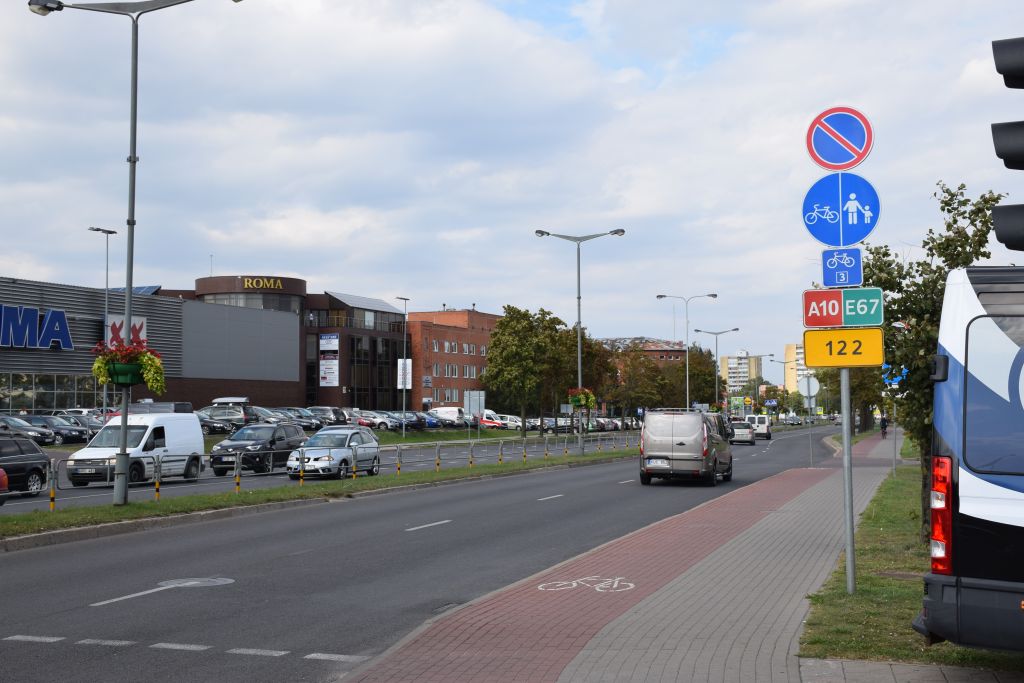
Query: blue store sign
24, 327
841, 209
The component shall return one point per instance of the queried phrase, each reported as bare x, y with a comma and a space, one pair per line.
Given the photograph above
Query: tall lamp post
618, 232
718, 396
134, 11
404, 375
106, 298
750, 356
686, 301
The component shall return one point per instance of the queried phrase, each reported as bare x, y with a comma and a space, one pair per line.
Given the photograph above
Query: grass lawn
39, 521
874, 623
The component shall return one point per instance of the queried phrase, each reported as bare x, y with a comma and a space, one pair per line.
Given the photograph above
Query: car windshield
57, 422
203, 415
110, 436
740, 425
17, 422
327, 441
254, 433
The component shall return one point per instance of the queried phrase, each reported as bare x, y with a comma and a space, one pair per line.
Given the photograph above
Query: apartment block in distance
449, 354
739, 369
796, 372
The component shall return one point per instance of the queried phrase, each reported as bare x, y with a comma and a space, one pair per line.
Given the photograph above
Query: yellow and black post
437, 458
470, 455
398, 462
501, 452
156, 480
53, 484
524, 451
238, 473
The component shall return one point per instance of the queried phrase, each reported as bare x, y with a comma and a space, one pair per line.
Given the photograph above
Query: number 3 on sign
843, 348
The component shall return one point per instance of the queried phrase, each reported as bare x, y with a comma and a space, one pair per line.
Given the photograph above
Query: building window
465, 348
435, 346
447, 347
472, 349
437, 369
483, 350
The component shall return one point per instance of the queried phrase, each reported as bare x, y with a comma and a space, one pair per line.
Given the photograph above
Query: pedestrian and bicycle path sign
841, 209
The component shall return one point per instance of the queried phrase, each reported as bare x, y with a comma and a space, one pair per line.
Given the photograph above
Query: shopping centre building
264, 337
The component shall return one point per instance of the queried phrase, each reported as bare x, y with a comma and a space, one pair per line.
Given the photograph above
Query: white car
510, 422
742, 431
333, 451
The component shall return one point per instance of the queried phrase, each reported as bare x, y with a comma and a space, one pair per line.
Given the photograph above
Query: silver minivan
686, 445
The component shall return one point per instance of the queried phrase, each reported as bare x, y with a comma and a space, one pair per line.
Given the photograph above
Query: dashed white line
425, 526
628, 481
336, 658
258, 653
36, 639
180, 646
550, 497
108, 643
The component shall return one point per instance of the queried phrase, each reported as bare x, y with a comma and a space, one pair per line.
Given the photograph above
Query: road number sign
843, 307
843, 348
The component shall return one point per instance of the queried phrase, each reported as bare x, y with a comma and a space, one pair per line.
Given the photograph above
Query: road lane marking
550, 497
109, 643
336, 658
258, 653
180, 646
35, 639
628, 481
136, 595
425, 526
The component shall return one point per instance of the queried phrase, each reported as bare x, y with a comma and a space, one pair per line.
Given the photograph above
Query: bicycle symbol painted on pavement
812, 217
614, 585
840, 258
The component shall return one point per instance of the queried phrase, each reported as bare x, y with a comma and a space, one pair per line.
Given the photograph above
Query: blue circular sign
841, 209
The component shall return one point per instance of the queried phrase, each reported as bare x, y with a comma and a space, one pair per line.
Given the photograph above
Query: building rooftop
364, 302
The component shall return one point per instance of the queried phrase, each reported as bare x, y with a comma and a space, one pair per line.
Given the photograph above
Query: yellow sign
747, 401
845, 348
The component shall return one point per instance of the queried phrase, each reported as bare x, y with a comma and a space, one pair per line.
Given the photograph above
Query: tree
640, 381
913, 297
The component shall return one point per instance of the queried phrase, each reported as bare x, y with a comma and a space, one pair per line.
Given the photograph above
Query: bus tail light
941, 497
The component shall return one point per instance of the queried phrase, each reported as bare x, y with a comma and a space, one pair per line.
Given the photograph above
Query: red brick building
449, 353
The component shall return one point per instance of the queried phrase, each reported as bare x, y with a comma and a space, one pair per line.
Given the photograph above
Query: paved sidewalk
714, 594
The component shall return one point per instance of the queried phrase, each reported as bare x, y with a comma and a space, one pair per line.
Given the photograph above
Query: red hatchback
3, 486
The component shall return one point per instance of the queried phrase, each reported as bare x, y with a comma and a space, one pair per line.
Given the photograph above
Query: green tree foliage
702, 380
913, 297
639, 381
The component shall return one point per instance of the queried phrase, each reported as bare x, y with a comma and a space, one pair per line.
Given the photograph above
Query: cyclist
884, 424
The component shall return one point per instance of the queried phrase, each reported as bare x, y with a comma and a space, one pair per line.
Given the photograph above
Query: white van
490, 419
175, 438
453, 413
762, 425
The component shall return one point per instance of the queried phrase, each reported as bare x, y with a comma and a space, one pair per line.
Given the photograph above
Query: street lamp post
618, 232
718, 397
404, 375
686, 301
134, 11
106, 298
749, 356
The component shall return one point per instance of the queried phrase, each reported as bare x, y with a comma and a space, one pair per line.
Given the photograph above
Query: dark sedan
259, 447
26, 465
63, 431
14, 426
91, 422
212, 426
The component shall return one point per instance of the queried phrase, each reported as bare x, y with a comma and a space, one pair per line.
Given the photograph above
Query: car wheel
136, 474
265, 465
79, 482
58, 439
375, 467
712, 479
192, 470
34, 483
343, 471
293, 477
206, 430
220, 471
728, 475
645, 479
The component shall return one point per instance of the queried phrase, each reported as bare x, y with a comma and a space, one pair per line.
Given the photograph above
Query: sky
411, 148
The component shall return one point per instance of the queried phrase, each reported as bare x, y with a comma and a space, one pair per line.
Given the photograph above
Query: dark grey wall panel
230, 342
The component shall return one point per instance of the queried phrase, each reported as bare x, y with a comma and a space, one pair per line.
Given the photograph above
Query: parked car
17, 427
3, 486
742, 431
489, 419
379, 420
561, 425
236, 415
685, 444
304, 417
412, 420
94, 423
429, 420
25, 464
448, 420
211, 426
260, 447
63, 431
332, 451
511, 422
329, 415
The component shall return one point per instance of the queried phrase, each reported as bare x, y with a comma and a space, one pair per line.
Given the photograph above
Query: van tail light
704, 441
641, 444
941, 501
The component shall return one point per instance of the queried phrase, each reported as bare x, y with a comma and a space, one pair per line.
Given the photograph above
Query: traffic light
1008, 139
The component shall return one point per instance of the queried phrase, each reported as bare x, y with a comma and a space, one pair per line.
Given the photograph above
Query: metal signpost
839, 211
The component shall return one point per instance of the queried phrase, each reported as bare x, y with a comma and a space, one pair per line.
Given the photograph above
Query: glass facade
290, 303
19, 391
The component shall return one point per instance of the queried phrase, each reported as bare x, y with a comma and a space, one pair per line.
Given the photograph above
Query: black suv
25, 464
261, 447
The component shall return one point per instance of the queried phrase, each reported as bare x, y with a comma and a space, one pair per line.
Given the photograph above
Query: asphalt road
415, 458
316, 590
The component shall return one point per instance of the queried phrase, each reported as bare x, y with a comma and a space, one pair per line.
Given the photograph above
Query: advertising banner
329, 361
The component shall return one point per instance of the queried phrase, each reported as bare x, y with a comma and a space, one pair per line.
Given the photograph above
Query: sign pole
844, 379
895, 450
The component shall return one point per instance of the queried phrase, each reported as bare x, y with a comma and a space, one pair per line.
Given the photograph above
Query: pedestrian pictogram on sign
841, 209
839, 138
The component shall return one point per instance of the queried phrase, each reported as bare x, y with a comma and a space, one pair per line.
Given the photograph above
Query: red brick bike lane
524, 633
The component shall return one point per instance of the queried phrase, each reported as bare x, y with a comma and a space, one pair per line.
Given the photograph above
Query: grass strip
39, 521
874, 622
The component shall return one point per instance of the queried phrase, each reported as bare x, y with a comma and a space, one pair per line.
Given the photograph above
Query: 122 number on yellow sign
843, 348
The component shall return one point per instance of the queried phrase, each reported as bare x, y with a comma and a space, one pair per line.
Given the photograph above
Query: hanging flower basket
129, 364
582, 398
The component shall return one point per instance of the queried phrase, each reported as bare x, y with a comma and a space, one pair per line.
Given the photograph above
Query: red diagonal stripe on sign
834, 134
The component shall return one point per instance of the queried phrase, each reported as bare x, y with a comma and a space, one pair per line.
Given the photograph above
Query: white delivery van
762, 425
451, 413
490, 419
176, 439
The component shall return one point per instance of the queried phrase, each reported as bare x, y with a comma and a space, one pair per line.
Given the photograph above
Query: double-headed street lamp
618, 232
134, 11
686, 301
106, 298
718, 397
405, 374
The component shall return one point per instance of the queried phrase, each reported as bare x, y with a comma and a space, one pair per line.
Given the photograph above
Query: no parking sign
839, 138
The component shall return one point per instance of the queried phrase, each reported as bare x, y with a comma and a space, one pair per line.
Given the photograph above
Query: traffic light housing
1008, 139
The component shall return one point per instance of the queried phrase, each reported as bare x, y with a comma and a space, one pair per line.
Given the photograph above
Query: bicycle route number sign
839, 138
842, 268
841, 209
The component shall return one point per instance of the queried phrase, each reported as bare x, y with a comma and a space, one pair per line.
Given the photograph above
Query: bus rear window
994, 417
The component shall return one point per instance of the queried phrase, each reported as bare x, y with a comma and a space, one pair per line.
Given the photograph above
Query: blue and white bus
974, 593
